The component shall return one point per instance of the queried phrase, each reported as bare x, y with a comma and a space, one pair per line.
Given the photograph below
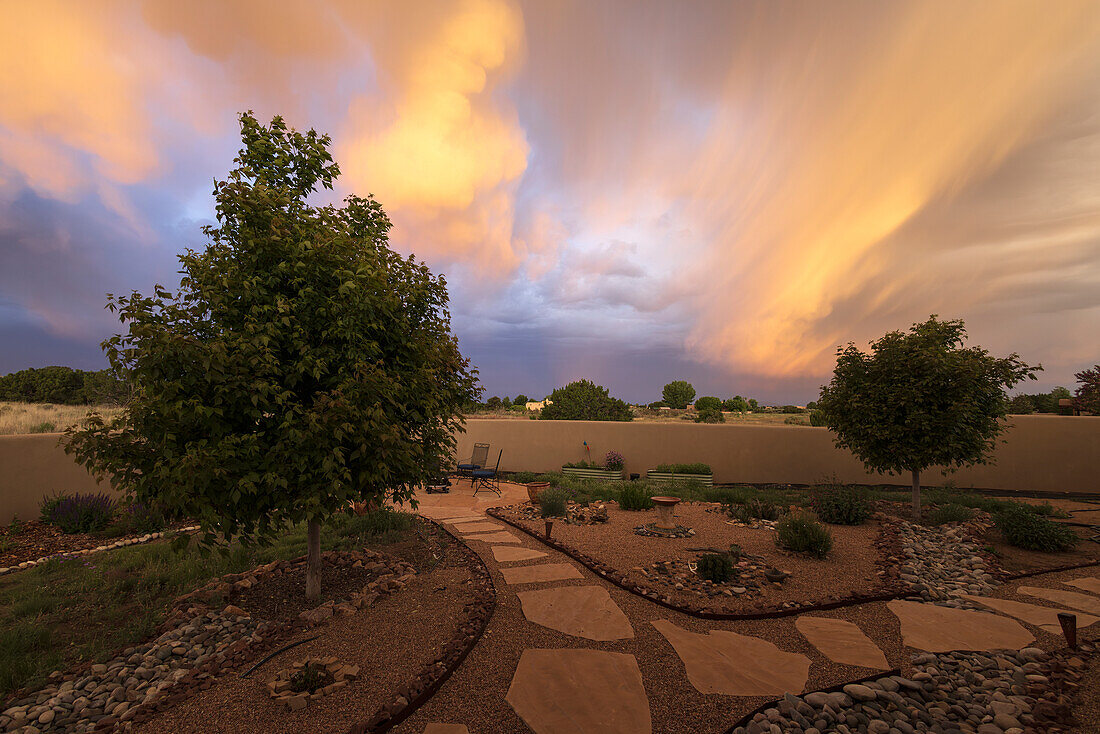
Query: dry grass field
46, 417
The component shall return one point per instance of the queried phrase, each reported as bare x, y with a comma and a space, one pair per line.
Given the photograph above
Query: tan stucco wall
35, 466
1040, 453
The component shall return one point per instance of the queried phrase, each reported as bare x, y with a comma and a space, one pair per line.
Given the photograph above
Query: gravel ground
389, 641
474, 696
849, 567
1087, 702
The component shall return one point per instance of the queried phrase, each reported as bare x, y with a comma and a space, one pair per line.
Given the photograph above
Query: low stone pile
577, 513
941, 564
336, 676
653, 530
140, 675
750, 574
1004, 692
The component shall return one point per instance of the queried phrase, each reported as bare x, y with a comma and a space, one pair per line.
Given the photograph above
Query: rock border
894, 589
135, 540
281, 686
418, 691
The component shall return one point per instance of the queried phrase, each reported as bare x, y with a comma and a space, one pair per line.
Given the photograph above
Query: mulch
34, 539
282, 598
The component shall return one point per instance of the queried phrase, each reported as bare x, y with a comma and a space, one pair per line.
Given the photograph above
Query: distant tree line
1045, 402
63, 385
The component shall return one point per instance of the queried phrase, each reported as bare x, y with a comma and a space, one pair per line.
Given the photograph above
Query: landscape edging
438, 671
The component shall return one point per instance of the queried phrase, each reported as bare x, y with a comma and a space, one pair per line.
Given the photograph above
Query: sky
630, 192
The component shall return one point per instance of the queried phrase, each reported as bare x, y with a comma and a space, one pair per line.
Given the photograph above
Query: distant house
532, 405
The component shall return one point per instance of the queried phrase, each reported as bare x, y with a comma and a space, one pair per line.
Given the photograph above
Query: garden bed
852, 567
603, 475
32, 540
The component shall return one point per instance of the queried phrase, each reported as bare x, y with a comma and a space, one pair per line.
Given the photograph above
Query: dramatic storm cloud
629, 192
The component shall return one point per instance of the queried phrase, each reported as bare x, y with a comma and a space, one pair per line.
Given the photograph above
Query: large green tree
301, 365
584, 400
1087, 396
920, 399
677, 394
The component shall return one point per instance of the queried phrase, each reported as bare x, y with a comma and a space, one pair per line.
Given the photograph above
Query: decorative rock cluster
282, 685
141, 675
750, 575
148, 538
477, 613
581, 513
941, 564
1003, 692
652, 530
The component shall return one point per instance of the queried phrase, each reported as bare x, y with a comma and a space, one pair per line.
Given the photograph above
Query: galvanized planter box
606, 475
666, 476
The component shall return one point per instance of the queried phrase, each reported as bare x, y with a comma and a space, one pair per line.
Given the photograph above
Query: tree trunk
916, 495
313, 560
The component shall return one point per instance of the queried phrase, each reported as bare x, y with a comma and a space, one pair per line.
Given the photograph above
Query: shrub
138, 518
309, 678
678, 394
950, 513
754, 509
83, 513
584, 400
613, 460
715, 567
736, 403
582, 465
552, 502
794, 420
817, 418
841, 504
697, 468
708, 402
634, 496
1025, 529
48, 504
43, 427
802, 534
709, 415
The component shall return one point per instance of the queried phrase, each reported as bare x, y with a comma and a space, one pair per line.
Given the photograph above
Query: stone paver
842, 641
580, 692
478, 527
736, 665
501, 537
463, 519
508, 553
1088, 583
1084, 602
938, 629
1045, 618
446, 729
581, 611
541, 573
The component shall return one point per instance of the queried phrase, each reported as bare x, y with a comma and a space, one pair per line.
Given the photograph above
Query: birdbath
664, 512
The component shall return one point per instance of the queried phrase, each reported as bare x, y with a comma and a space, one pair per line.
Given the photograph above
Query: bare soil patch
33, 539
282, 598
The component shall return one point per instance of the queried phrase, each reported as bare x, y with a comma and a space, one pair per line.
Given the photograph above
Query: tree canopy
678, 394
1087, 395
584, 400
300, 366
63, 385
920, 399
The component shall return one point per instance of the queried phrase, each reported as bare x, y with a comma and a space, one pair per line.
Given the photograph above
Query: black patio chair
478, 460
487, 479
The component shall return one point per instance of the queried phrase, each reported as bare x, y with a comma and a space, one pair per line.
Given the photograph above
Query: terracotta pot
535, 488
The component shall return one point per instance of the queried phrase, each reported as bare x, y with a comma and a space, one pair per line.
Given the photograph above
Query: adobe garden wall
1040, 454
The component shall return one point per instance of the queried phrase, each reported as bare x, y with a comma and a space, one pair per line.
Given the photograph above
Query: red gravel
850, 566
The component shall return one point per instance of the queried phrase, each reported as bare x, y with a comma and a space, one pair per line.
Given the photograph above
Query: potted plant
610, 471
682, 472
534, 489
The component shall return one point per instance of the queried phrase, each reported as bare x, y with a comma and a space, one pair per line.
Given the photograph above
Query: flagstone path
578, 655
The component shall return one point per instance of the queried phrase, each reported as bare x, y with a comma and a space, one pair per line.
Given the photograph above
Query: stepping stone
1088, 583
581, 611
580, 692
540, 573
736, 665
462, 518
1045, 618
501, 537
842, 641
1073, 599
477, 527
940, 629
446, 729
505, 553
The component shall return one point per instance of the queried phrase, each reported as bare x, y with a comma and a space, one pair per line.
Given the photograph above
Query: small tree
302, 364
736, 403
521, 399
493, 403
708, 403
678, 394
920, 400
753, 405
584, 400
1087, 395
